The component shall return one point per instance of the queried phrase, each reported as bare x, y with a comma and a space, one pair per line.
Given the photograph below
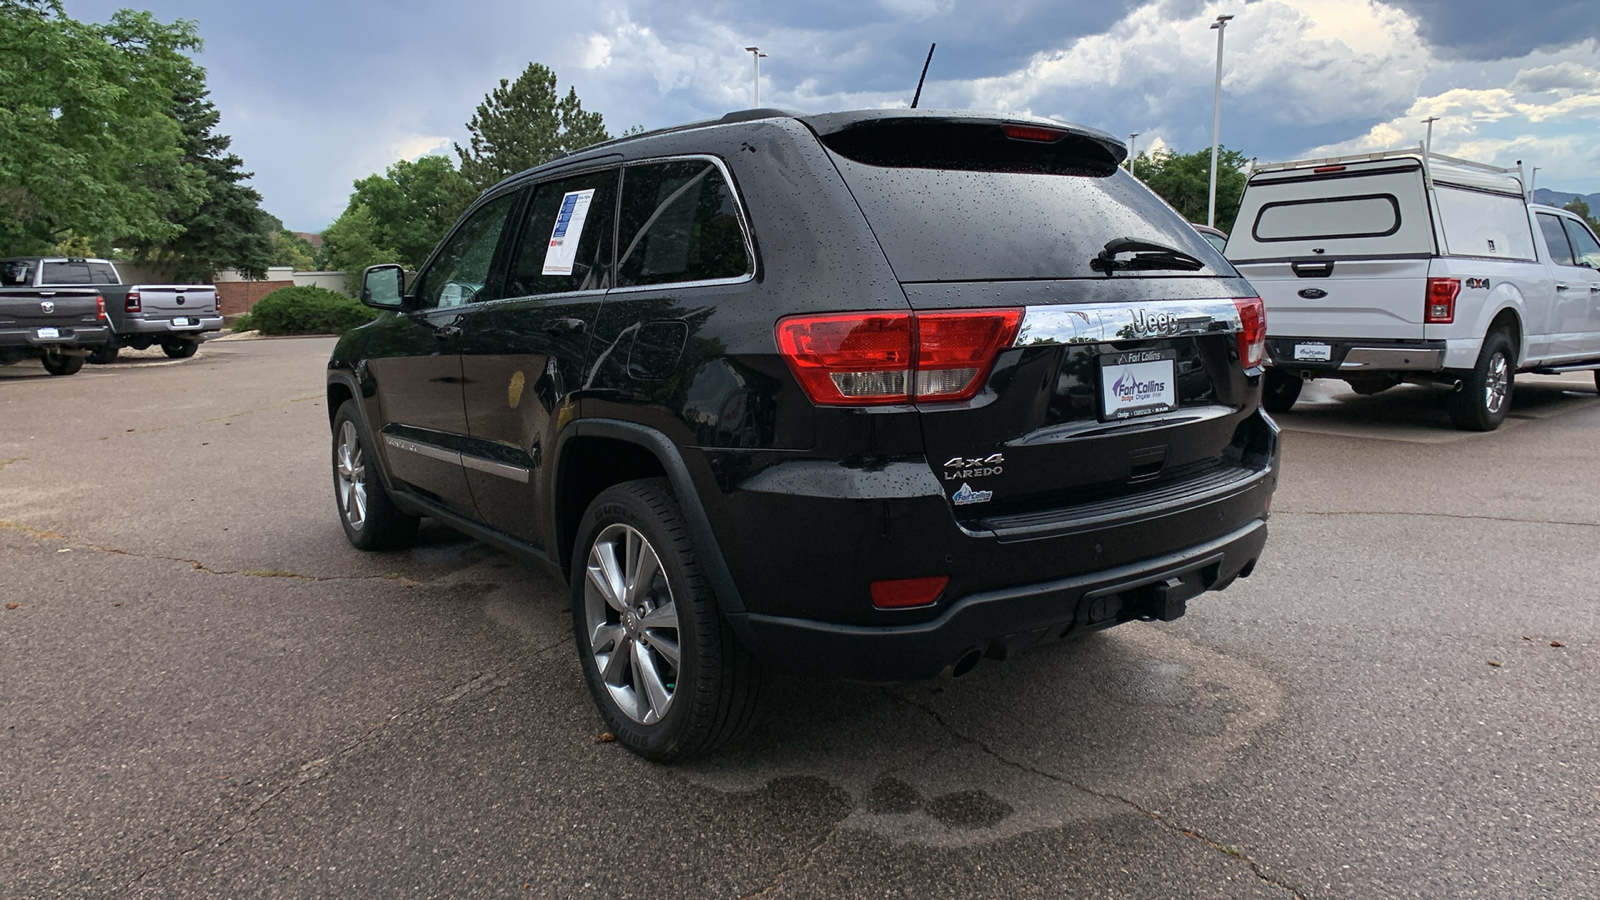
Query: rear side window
678, 222
965, 202
1556, 239
1328, 218
566, 237
102, 273
1584, 247
1481, 223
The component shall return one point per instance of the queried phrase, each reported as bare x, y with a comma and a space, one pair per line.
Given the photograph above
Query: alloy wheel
632, 623
351, 471
1495, 382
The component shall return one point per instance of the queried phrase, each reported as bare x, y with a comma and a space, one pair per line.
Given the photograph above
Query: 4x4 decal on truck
1478, 283
959, 468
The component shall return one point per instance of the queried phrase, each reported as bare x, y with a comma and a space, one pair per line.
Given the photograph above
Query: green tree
396, 217
522, 124
1581, 207
1184, 180
86, 127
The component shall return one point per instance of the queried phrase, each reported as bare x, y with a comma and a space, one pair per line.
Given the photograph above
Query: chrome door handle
1560, 286
558, 327
445, 332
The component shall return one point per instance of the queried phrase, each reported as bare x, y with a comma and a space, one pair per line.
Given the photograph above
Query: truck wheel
667, 674
105, 353
62, 363
371, 520
1484, 397
180, 349
1280, 390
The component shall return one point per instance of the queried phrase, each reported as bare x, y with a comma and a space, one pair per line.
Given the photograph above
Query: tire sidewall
364, 538
619, 505
1474, 407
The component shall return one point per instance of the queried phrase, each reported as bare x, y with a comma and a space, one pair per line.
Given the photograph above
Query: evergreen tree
522, 124
1184, 180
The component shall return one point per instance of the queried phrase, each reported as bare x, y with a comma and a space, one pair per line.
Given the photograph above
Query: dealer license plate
1138, 383
182, 322
1316, 352
49, 334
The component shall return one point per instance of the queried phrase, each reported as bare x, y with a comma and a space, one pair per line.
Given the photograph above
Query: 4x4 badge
958, 468
965, 496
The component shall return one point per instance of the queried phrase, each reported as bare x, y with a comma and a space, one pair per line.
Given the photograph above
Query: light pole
1220, 25
1130, 151
1427, 143
755, 57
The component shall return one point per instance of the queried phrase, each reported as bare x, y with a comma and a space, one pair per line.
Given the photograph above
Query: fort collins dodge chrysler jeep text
871, 395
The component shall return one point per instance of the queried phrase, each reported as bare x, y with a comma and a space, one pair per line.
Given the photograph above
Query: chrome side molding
1097, 323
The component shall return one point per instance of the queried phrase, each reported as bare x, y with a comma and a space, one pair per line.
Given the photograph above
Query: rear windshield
78, 272
1372, 215
967, 203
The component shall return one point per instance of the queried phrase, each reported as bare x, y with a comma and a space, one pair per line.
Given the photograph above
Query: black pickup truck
58, 326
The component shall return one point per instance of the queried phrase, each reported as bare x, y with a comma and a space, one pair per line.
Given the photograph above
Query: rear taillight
869, 359
100, 304
132, 304
1253, 336
1441, 303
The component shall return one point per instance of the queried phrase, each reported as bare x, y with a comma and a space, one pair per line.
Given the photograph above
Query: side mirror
383, 286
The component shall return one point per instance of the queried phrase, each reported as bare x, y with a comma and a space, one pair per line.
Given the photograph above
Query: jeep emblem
1153, 323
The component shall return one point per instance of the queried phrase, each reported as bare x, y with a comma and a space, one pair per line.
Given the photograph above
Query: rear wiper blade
1146, 255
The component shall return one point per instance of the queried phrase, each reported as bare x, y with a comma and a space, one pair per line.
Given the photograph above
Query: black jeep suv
869, 395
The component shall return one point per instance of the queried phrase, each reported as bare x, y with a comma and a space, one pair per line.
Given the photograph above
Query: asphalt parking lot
207, 692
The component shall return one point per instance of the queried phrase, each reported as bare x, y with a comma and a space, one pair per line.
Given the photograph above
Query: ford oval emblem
1313, 293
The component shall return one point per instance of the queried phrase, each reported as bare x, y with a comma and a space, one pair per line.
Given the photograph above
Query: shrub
305, 310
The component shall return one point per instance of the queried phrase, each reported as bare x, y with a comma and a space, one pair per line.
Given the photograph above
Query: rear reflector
861, 359
1033, 133
1253, 336
900, 593
1441, 305
100, 303
132, 303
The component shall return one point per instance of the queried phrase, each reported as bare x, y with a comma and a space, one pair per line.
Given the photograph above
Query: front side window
1584, 247
1556, 239
679, 222
460, 272
566, 237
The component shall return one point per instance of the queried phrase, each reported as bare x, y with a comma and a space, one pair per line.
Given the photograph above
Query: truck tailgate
1341, 298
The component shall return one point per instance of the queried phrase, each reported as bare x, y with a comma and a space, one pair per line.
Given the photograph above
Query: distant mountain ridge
1562, 198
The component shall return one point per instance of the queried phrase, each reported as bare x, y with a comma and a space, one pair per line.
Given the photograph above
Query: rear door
1585, 278
1572, 304
522, 354
1342, 253
1108, 387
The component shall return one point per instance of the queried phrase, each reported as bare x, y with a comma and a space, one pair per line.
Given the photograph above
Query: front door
523, 355
416, 363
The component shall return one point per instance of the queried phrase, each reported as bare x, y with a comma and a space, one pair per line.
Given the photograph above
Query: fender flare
1504, 296
379, 456
666, 452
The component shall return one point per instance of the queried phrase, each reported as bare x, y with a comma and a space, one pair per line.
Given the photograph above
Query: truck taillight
1441, 304
1253, 336
875, 359
132, 304
100, 306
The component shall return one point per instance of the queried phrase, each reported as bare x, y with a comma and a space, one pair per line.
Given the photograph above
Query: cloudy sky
318, 93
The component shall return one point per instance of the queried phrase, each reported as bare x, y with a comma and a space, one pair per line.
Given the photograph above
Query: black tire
1597, 381
712, 693
105, 353
180, 349
378, 524
1279, 390
62, 363
1482, 400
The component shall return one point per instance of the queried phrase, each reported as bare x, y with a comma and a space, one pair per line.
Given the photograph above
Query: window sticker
563, 250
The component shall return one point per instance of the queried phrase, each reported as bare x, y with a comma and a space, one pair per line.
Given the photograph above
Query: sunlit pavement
207, 692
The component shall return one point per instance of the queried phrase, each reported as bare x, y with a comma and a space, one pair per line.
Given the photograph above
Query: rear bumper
69, 337
1357, 357
1000, 623
133, 325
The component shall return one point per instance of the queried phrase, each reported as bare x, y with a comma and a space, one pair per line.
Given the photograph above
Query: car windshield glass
939, 222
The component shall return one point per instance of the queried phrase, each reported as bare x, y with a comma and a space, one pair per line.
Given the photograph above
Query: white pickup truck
1405, 266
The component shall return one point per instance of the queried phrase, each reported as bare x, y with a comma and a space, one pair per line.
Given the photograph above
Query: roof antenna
918, 95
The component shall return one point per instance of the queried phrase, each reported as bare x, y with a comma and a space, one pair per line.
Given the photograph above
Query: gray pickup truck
57, 326
174, 316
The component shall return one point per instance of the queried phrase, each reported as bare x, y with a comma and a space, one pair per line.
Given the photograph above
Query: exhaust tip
966, 662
